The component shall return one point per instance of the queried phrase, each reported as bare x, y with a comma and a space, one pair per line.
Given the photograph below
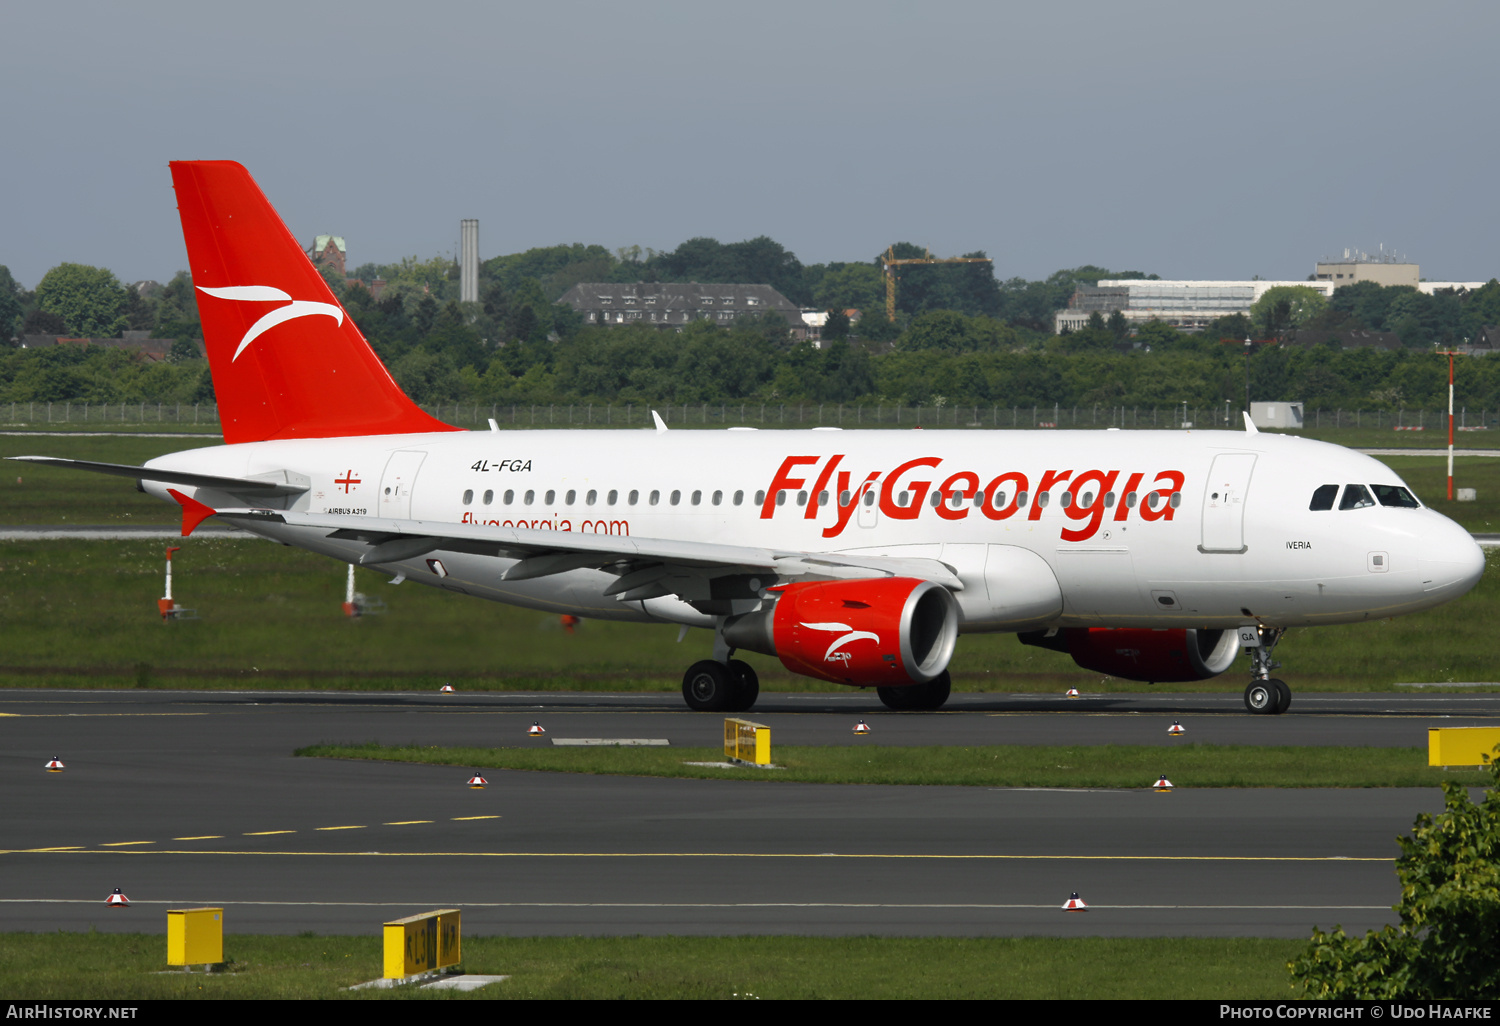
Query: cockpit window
1395, 495
1323, 498
1356, 496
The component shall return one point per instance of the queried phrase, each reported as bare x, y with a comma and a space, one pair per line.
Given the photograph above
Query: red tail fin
286, 359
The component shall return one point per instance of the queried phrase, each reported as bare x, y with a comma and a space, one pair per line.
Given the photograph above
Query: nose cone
1452, 562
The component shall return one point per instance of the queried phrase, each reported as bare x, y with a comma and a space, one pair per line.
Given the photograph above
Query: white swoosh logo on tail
267, 294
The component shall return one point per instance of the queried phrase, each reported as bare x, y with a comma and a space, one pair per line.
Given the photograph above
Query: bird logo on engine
834, 655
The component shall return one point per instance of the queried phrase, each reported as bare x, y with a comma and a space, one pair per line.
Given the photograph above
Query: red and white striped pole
1450, 354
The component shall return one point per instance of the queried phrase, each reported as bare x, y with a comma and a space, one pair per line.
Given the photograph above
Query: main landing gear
712, 686
1266, 695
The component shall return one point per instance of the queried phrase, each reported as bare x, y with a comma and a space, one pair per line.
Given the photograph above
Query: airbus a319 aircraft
854, 557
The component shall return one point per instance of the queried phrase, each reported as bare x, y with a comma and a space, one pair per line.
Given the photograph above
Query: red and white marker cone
862, 727
1075, 904
117, 900
1072, 692
55, 765
446, 689
1162, 783
1176, 728
536, 730
477, 782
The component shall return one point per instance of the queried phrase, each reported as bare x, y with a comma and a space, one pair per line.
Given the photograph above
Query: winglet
193, 511
1250, 427
661, 425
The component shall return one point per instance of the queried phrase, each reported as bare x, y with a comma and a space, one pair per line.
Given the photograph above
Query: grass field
1112, 766
83, 614
129, 966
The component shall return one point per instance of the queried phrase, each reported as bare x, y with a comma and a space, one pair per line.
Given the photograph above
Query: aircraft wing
646, 567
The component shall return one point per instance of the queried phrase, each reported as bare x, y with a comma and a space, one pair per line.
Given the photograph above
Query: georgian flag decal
267, 294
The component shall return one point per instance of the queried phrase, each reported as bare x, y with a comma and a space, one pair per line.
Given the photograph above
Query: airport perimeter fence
204, 416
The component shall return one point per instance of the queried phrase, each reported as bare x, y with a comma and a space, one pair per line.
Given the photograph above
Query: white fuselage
1115, 529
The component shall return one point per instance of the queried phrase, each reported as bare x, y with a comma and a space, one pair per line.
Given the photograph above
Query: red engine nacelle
873, 632
1177, 654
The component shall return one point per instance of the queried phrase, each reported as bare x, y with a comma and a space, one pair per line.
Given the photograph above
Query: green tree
1445, 944
836, 327
851, 287
11, 305
177, 309
937, 329
88, 299
1286, 306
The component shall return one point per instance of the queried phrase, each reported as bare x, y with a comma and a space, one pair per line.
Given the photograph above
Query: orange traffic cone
446, 689
1176, 728
862, 727
55, 765
117, 900
1075, 904
1072, 692
1162, 783
477, 782
535, 730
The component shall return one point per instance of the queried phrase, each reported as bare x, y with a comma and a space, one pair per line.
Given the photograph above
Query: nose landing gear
1266, 695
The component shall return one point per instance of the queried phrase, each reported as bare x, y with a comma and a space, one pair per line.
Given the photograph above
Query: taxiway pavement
184, 799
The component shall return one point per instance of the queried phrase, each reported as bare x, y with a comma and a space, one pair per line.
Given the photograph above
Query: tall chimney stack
468, 263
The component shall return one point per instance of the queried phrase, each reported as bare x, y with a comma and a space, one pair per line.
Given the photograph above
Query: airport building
1183, 304
1192, 305
668, 305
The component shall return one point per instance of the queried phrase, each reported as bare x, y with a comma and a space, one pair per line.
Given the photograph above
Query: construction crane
891, 261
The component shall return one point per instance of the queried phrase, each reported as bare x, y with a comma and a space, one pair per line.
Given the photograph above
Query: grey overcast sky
1195, 140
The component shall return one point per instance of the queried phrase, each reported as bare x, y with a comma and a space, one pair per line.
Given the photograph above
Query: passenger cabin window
489, 496
591, 497
739, 497
530, 497
568, 499
718, 498
614, 496
697, 498
551, 497
468, 496
510, 496
1395, 495
1323, 498
1356, 496
676, 496
760, 497
655, 497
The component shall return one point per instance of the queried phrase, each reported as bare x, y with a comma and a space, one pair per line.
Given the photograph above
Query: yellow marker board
1461, 746
747, 742
421, 944
195, 936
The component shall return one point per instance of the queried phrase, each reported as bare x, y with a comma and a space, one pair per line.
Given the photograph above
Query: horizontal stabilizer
233, 485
